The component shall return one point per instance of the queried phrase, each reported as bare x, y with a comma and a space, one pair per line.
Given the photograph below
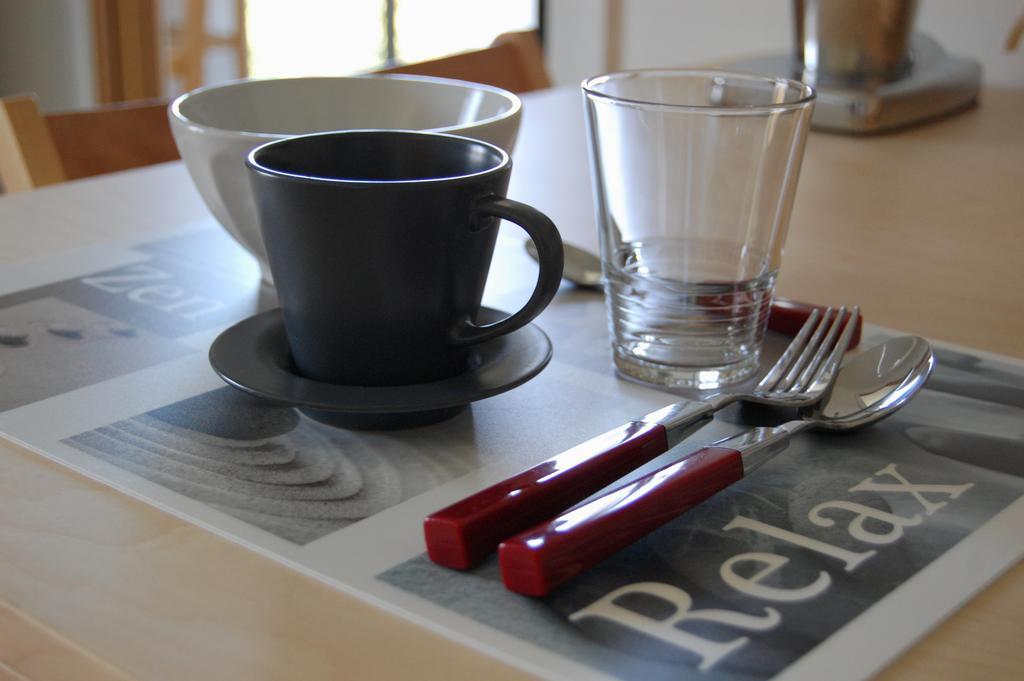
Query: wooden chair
514, 61
38, 150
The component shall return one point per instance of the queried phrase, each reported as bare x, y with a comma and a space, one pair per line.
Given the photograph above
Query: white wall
977, 29
46, 48
693, 32
574, 39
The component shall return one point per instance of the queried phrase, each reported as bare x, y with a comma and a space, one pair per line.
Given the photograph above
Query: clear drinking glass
694, 175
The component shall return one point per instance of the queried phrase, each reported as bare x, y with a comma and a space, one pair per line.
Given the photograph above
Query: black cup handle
549, 256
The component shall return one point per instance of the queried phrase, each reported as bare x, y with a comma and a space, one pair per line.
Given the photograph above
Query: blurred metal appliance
872, 73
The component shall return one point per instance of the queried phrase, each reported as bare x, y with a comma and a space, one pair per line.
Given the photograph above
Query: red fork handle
538, 560
462, 534
787, 316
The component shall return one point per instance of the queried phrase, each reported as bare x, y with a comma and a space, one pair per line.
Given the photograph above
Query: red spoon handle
462, 534
787, 316
538, 560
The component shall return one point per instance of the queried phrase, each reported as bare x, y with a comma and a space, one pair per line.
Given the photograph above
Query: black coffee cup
380, 241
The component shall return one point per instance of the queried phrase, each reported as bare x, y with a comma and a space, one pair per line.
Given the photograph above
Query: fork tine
807, 375
831, 365
812, 346
795, 347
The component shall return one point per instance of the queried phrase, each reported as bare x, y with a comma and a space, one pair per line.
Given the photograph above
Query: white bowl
215, 127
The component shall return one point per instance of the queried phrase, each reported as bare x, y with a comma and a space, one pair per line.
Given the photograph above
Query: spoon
583, 269
869, 387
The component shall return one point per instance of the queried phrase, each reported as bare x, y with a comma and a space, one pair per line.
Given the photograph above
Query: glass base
673, 376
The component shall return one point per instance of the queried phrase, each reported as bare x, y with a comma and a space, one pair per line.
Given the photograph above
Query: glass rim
589, 86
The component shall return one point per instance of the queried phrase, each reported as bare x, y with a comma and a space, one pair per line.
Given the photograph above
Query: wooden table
924, 228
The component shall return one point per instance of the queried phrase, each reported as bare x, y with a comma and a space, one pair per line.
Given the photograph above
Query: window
338, 37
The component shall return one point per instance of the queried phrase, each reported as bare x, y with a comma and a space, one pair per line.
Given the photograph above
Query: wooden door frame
127, 50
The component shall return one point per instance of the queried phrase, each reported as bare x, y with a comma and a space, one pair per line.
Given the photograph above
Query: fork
461, 535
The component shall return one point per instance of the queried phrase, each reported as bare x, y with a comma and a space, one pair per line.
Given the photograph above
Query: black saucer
254, 357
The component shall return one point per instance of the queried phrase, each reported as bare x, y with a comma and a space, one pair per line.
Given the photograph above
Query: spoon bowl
582, 268
874, 384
